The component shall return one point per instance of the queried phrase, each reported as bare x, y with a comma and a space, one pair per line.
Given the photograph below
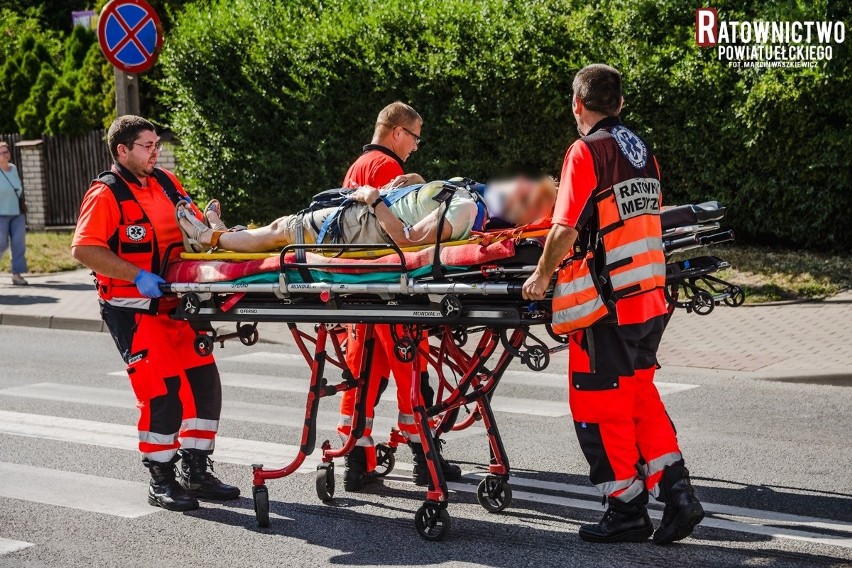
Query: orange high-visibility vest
135, 241
620, 250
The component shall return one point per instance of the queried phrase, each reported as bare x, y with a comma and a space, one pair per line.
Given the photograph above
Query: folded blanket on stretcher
417, 263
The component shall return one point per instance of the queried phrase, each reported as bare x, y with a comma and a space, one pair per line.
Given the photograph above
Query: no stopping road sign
130, 34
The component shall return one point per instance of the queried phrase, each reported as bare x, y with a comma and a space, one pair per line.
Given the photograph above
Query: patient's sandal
194, 232
213, 216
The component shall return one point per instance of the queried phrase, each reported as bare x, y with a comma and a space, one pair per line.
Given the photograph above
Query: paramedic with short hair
395, 138
126, 223
611, 300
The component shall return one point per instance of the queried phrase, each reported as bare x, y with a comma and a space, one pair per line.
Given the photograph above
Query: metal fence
71, 164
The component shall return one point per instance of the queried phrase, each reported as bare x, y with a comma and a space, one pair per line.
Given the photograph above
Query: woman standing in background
13, 223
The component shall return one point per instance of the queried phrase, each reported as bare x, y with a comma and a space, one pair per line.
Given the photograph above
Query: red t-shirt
576, 185
100, 216
374, 168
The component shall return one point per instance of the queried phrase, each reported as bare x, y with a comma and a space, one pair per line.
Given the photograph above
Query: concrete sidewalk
781, 340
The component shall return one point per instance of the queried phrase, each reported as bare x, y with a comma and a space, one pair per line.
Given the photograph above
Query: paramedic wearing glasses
611, 301
395, 138
126, 223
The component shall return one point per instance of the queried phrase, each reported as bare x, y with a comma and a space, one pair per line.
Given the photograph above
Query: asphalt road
770, 459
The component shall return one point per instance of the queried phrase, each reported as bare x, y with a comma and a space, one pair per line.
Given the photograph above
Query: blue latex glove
148, 284
186, 198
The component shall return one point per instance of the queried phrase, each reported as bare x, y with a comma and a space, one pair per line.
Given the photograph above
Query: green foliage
47, 86
17, 77
20, 29
31, 113
83, 98
272, 102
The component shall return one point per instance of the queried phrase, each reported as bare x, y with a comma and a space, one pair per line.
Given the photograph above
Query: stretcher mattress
340, 270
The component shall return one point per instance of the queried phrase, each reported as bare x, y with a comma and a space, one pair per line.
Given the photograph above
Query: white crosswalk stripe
115, 497
8, 546
726, 517
125, 437
293, 417
281, 373
555, 407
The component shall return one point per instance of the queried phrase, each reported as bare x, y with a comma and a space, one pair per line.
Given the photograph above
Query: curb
75, 324
52, 322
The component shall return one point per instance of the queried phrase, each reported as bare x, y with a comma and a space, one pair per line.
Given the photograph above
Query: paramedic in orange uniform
609, 203
126, 223
395, 138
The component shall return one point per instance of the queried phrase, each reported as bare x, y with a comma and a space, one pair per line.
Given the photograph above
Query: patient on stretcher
405, 216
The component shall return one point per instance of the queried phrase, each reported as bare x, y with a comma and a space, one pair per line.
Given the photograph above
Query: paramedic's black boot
355, 474
683, 511
199, 482
420, 475
622, 522
164, 491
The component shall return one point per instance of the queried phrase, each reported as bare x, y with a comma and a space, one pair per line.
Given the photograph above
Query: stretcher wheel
460, 336
191, 303
494, 494
385, 459
248, 334
537, 358
736, 298
405, 349
703, 303
451, 307
203, 345
432, 521
261, 504
325, 482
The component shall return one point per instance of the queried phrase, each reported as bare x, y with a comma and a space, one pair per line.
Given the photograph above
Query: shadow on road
364, 537
16, 300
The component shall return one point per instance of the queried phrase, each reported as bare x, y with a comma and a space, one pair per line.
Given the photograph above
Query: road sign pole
126, 93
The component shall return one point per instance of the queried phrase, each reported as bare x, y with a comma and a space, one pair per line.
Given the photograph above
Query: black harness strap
168, 186
444, 197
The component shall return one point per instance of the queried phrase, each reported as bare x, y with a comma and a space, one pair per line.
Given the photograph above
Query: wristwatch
375, 203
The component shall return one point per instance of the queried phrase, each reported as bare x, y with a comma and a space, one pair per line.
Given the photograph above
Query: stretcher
442, 300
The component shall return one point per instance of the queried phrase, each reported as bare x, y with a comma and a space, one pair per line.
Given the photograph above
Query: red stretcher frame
476, 383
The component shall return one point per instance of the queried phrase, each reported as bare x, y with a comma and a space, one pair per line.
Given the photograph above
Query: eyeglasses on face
417, 139
152, 147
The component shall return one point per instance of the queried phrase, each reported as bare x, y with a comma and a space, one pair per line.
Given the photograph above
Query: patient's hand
365, 194
405, 180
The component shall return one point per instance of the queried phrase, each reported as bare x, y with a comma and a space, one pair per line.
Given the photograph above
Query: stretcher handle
343, 247
164, 262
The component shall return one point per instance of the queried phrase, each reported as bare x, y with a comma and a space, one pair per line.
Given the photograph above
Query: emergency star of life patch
631, 146
136, 232
637, 196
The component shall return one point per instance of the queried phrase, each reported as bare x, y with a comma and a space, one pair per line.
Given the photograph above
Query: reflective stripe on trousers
200, 424
344, 427
192, 443
655, 467
133, 303
623, 490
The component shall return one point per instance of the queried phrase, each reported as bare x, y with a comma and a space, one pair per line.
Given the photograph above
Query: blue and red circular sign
130, 34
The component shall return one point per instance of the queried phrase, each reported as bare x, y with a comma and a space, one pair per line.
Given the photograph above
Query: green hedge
272, 102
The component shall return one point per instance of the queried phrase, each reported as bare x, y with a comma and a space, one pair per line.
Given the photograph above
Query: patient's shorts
358, 224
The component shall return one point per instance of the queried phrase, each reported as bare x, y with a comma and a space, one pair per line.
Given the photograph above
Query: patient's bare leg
271, 237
